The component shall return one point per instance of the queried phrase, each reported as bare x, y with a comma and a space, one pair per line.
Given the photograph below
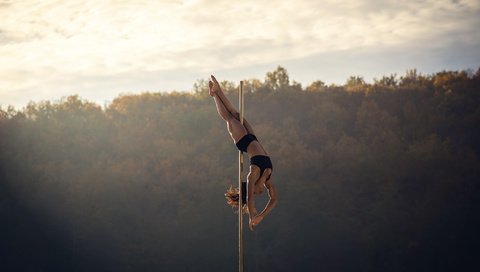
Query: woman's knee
236, 115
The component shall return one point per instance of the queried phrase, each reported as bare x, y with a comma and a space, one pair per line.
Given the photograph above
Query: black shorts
243, 143
263, 162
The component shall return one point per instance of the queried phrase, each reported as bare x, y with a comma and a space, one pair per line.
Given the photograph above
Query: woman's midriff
255, 148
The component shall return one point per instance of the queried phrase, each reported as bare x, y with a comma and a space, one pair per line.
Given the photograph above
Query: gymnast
260, 175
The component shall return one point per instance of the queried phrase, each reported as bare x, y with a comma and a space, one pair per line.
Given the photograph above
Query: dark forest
381, 176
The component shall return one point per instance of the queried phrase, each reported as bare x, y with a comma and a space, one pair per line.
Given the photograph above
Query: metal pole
240, 177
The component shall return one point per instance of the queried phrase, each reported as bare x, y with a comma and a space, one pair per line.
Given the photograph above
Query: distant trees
317, 85
387, 81
277, 79
371, 177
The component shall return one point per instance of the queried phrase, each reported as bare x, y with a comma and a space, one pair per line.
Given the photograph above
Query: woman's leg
222, 111
228, 105
215, 90
235, 128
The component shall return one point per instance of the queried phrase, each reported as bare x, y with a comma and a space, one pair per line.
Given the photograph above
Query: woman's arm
251, 178
250, 199
270, 205
273, 198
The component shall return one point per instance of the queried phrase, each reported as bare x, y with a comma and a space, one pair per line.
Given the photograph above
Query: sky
99, 49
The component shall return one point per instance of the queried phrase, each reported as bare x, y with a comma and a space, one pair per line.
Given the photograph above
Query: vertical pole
240, 177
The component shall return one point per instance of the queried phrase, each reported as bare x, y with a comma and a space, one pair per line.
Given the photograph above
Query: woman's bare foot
213, 86
211, 91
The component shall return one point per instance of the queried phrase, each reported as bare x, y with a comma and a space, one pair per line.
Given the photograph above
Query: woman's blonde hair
232, 195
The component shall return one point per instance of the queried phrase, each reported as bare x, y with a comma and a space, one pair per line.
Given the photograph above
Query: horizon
105, 103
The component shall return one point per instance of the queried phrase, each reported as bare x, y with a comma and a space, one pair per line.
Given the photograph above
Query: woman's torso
255, 148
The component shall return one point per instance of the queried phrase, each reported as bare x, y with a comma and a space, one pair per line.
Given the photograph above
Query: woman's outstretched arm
255, 218
270, 205
251, 178
273, 198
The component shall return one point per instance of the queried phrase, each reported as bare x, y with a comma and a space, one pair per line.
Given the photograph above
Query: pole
240, 176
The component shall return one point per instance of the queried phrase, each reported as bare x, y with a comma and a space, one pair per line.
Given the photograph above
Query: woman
260, 174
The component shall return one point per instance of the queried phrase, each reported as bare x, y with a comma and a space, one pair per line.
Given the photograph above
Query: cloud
45, 43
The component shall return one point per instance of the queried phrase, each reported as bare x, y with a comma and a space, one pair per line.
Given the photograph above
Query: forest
381, 176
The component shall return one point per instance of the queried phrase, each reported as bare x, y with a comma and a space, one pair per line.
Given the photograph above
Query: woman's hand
253, 222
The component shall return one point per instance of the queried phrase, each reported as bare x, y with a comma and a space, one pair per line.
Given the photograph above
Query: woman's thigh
236, 129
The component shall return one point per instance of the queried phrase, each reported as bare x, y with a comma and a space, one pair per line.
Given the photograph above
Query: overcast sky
99, 49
